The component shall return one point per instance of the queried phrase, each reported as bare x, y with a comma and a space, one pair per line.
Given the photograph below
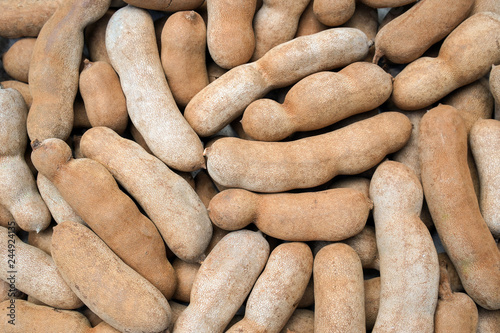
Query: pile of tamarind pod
206, 166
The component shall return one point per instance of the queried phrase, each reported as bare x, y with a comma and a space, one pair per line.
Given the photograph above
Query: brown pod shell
83, 258
309, 23
334, 13
454, 207
16, 61
281, 166
25, 18
494, 84
302, 320
95, 37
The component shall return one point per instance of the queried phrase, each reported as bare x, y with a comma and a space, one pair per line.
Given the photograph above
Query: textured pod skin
183, 44
302, 320
25, 18
223, 282
151, 106
485, 145
494, 84
230, 35
365, 19
365, 245
329, 215
184, 225
338, 290
372, 301
454, 207
22, 87
278, 289
103, 96
408, 36
35, 273
334, 13
225, 99
457, 64
16, 61
485, 6
281, 166
18, 192
83, 258
41, 319
166, 5
93, 193
386, 3
59, 208
309, 23
455, 312
95, 37
275, 23
41, 240
54, 68
186, 273
408, 293
488, 321
357, 88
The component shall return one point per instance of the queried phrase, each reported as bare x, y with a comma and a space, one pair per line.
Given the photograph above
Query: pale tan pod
23, 317
95, 37
494, 83
54, 69
408, 36
185, 225
184, 40
83, 258
365, 245
34, 273
302, 320
333, 13
365, 19
280, 166
488, 320
485, 145
18, 191
103, 327
372, 301
485, 6
139, 138
454, 207
103, 96
386, 3
166, 5
455, 311
25, 18
339, 301
223, 282
22, 87
329, 215
474, 101
281, 66
59, 208
186, 273
41, 240
408, 292
275, 23
8, 293
448, 71
309, 23
357, 88
16, 61
131, 45
278, 290
230, 35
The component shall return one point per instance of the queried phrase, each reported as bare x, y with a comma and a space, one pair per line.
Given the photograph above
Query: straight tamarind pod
454, 207
25, 18
169, 201
132, 49
34, 273
339, 299
357, 88
485, 146
121, 297
226, 98
224, 280
408, 36
19, 194
29, 317
465, 56
278, 289
409, 266
308, 162
54, 68
330, 215
88, 187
